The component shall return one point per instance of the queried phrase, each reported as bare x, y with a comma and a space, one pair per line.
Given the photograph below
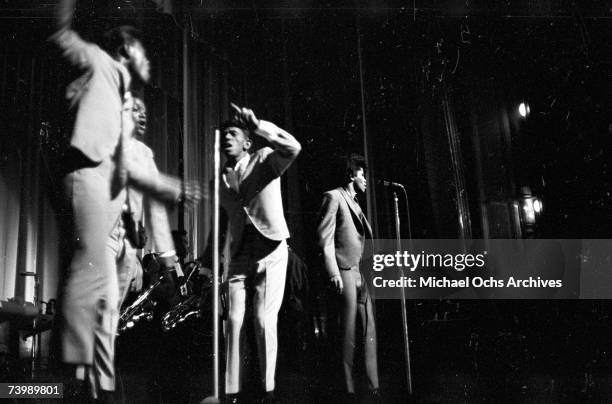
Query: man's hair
354, 163
236, 124
138, 92
114, 40
346, 166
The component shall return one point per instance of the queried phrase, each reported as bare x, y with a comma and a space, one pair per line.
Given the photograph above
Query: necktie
362, 218
231, 176
358, 207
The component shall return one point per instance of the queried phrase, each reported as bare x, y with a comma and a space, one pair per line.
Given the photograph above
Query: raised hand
64, 13
245, 116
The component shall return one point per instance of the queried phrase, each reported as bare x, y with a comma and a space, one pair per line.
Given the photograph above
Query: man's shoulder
142, 148
334, 196
335, 193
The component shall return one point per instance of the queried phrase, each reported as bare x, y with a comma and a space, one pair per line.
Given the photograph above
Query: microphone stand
35, 350
403, 295
214, 399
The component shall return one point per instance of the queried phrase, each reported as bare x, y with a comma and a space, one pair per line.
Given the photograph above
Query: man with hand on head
253, 223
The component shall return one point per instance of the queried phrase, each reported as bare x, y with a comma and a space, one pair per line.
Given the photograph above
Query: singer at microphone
341, 234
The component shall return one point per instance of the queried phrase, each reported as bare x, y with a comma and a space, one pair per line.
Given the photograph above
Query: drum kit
187, 298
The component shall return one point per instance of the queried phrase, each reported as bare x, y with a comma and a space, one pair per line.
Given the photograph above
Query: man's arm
157, 217
326, 233
65, 13
286, 147
158, 185
78, 51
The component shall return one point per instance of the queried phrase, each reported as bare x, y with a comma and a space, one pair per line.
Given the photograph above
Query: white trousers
262, 264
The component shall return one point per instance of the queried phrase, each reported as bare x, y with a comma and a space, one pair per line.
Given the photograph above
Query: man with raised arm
97, 171
254, 225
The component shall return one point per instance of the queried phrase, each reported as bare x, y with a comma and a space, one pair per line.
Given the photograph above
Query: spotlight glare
537, 206
523, 109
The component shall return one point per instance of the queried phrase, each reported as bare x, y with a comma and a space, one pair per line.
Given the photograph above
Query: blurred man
342, 231
91, 294
250, 198
140, 206
95, 192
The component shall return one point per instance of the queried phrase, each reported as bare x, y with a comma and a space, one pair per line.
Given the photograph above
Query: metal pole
215, 270
403, 301
186, 129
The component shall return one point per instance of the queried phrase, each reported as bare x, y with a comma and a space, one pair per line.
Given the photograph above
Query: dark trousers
356, 301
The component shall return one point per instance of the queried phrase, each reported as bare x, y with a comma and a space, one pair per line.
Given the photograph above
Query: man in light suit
342, 231
91, 294
129, 268
250, 197
95, 191
143, 206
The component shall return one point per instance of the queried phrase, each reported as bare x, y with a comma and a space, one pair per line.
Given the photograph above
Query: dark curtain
207, 78
30, 100
30, 138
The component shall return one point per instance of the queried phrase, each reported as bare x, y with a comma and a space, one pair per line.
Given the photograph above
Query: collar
242, 163
352, 195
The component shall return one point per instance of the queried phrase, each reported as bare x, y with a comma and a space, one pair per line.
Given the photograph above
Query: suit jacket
157, 224
259, 189
97, 95
342, 231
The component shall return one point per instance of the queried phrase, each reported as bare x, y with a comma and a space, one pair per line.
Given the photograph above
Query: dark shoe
350, 398
105, 397
374, 397
268, 398
77, 392
232, 399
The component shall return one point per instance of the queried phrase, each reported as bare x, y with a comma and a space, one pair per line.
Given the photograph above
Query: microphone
389, 183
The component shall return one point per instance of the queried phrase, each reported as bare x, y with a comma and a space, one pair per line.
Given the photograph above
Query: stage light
529, 216
531, 207
524, 109
537, 206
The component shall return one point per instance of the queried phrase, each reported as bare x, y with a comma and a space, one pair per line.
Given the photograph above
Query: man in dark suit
342, 231
254, 228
